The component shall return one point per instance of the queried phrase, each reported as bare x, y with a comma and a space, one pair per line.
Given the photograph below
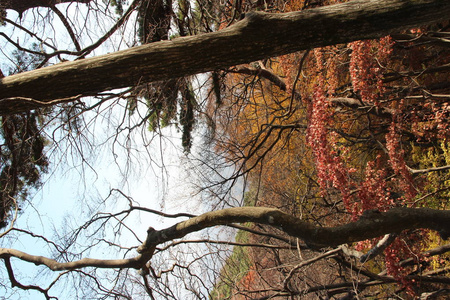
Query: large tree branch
371, 225
258, 36
22, 5
135, 262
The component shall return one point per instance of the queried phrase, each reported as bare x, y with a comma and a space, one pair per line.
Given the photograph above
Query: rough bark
258, 36
22, 5
370, 225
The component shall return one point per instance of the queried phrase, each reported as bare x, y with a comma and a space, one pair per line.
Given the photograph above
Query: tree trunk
258, 36
22, 5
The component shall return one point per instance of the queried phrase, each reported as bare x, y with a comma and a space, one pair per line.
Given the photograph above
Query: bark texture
371, 224
22, 5
258, 36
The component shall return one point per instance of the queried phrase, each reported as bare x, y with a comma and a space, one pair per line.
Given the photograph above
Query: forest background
331, 135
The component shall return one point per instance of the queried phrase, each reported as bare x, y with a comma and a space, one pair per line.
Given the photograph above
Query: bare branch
15, 283
68, 27
379, 247
395, 220
307, 262
377, 224
53, 265
263, 73
22, 5
435, 169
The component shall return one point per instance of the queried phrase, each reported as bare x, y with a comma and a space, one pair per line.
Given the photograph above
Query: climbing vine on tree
344, 144
374, 115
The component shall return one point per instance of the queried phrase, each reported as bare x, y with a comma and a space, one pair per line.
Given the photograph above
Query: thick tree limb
22, 5
370, 226
53, 265
258, 36
373, 225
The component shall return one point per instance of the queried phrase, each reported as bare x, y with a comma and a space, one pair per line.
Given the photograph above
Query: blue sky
151, 169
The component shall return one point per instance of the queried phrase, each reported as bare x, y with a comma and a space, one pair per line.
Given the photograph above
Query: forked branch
370, 225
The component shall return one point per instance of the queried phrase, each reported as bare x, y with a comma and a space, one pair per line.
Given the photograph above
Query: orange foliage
327, 160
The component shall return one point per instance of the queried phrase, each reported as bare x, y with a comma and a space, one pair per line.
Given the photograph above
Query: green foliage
154, 20
161, 100
22, 155
2, 15
436, 185
169, 103
235, 268
173, 101
191, 20
22, 160
187, 118
249, 198
238, 263
119, 6
26, 61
